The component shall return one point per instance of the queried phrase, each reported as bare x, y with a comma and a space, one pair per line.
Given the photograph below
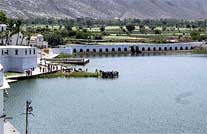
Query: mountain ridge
106, 9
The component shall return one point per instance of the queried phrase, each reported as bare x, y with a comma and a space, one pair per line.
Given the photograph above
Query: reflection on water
154, 94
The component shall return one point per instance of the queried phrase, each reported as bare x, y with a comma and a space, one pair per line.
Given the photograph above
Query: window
2, 52
16, 52
30, 51
34, 52
25, 51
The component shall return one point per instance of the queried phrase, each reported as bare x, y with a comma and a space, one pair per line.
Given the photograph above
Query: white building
18, 39
15, 39
38, 41
3, 27
18, 58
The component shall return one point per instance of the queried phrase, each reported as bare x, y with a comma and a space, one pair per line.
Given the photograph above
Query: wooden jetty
109, 75
76, 61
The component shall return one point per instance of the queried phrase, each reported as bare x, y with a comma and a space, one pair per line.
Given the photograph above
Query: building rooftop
15, 47
3, 25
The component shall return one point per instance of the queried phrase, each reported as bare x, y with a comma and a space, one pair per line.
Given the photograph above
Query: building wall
13, 40
18, 59
3, 27
62, 51
1, 101
38, 41
1, 112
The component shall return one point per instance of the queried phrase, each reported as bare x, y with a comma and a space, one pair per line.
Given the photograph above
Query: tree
195, 35
102, 28
122, 28
157, 31
3, 18
54, 39
68, 28
130, 27
142, 29
28, 34
18, 25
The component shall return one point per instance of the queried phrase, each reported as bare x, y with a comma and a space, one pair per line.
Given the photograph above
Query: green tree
54, 39
102, 28
195, 35
157, 31
18, 26
130, 27
3, 18
142, 29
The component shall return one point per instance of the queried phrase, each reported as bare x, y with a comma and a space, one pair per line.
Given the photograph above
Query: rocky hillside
180, 9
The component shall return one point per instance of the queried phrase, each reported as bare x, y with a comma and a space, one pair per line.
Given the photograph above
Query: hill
106, 9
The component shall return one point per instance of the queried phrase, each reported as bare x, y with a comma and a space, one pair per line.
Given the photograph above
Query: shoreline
83, 74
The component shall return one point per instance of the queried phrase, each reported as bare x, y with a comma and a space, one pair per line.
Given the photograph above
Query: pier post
28, 111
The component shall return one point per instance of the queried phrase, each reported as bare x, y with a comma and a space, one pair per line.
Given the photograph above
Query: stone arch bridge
132, 47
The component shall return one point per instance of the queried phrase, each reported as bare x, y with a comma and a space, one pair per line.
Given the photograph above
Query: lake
154, 94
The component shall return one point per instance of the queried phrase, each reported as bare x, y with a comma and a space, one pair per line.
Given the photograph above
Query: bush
158, 31
195, 35
130, 27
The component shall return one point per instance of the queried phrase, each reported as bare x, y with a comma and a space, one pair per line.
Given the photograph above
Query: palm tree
23, 36
18, 25
10, 30
28, 38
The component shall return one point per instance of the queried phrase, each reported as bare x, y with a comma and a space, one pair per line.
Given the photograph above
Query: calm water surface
154, 94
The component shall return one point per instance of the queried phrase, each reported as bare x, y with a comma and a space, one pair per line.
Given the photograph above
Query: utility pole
29, 110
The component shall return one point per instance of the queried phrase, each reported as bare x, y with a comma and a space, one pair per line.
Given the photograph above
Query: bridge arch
160, 49
165, 48
113, 49
107, 50
119, 49
74, 51
186, 48
87, 50
181, 48
143, 49
81, 50
100, 50
176, 48
94, 50
125, 49
170, 48
148, 49
154, 49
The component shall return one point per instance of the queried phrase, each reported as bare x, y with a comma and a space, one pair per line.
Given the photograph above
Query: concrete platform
10, 129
